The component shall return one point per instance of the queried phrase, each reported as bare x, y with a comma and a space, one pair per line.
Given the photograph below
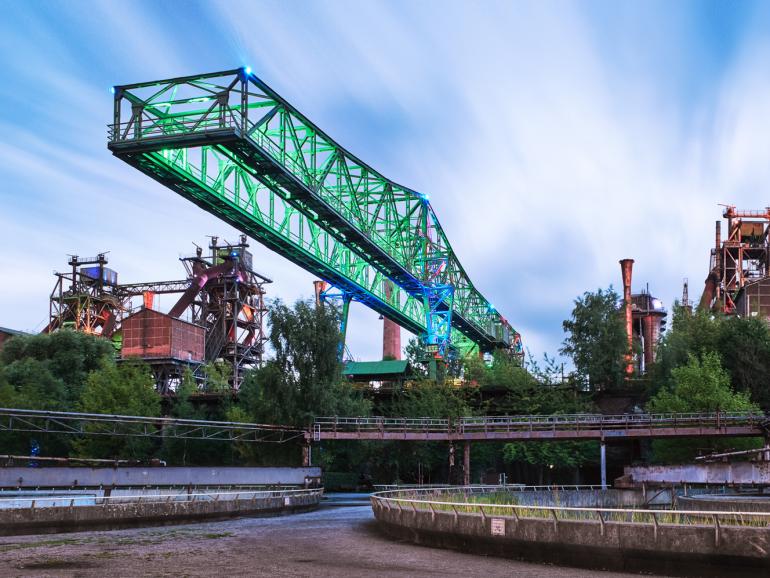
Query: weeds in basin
508, 504
44, 544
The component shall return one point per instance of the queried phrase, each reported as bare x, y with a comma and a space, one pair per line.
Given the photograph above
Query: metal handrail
153, 498
590, 421
160, 421
670, 517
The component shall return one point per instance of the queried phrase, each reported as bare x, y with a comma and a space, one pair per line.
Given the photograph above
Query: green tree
596, 339
534, 390
302, 381
65, 356
47, 372
744, 344
425, 462
217, 376
702, 385
182, 405
126, 389
691, 334
417, 356
304, 378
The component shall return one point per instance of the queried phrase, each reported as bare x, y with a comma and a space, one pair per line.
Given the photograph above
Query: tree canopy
304, 378
741, 343
596, 339
702, 385
125, 389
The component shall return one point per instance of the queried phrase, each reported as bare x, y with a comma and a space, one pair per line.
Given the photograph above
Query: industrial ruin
218, 317
738, 283
645, 321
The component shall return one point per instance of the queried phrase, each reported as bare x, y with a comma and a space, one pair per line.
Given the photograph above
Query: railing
160, 498
601, 422
141, 128
455, 501
141, 426
374, 424
567, 422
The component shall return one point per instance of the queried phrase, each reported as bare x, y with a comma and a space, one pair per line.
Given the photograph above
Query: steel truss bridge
231, 145
59, 422
543, 427
489, 428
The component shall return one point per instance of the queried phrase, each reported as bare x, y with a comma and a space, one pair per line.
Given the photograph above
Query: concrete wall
16, 477
728, 503
670, 550
61, 519
710, 473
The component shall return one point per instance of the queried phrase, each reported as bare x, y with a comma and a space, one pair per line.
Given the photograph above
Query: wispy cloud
554, 138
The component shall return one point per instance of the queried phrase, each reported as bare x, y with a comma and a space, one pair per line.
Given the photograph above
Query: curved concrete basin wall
21, 477
637, 547
14, 521
727, 503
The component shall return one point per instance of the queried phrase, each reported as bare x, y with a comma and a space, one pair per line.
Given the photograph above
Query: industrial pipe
391, 331
626, 267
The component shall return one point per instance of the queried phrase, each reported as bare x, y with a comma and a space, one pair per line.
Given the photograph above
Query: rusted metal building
753, 300
151, 334
741, 259
168, 345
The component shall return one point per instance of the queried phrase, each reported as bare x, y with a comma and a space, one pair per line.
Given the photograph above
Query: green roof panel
364, 368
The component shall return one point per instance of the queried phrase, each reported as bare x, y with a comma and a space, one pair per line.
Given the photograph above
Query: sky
553, 137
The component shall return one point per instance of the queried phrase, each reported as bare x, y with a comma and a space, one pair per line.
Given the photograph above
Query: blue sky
554, 137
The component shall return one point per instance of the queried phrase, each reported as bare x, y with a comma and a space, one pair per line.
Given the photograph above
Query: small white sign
498, 526
287, 501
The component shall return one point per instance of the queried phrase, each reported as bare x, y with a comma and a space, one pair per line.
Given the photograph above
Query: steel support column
467, 464
603, 462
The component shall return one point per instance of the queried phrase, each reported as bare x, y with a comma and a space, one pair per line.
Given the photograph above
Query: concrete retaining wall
16, 477
62, 519
707, 473
665, 549
728, 503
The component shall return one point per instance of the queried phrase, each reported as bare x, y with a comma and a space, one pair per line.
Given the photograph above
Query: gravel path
340, 539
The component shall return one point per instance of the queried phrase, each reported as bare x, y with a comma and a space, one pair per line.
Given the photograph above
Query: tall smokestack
391, 331
626, 268
318, 288
718, 248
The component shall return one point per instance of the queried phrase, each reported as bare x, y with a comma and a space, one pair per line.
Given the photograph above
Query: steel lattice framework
96, 424
230, 144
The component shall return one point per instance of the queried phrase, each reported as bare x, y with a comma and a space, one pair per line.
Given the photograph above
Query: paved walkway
340, 539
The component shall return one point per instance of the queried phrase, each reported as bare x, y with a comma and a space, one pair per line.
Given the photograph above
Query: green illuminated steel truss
231, 145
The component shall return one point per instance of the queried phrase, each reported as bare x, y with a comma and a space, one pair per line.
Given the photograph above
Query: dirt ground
338, 540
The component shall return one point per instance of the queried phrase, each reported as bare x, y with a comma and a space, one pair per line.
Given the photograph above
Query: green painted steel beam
231, 145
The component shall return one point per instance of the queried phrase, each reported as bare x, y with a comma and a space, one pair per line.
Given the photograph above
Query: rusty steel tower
227, 297
740, 261
222, 300
87, 298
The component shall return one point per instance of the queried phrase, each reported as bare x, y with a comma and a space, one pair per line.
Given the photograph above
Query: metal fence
27, 420
545, 426
89, 499
458, 500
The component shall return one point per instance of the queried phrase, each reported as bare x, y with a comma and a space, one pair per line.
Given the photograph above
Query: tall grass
508, 504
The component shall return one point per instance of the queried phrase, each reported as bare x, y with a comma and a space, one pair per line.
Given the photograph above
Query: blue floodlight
112, 89
247, 70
